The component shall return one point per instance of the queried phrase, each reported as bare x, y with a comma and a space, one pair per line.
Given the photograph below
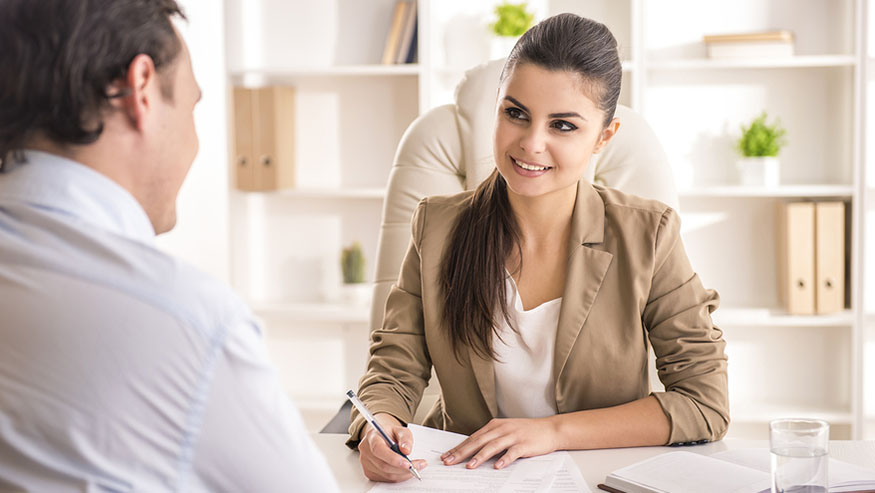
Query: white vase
759, 171
358, 294
500, 46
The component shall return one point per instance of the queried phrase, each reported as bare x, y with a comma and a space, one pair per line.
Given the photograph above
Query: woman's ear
607, 134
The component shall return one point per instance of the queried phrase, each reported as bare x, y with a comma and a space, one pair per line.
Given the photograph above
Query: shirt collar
64, 186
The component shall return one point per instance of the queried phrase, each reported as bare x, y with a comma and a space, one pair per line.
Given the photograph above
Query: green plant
513, 19
761, 139
352, 263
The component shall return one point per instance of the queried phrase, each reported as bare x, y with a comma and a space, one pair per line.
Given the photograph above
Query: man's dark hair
59, 57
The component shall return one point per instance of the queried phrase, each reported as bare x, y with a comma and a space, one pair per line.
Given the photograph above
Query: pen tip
350, 393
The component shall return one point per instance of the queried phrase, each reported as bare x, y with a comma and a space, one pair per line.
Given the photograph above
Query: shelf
335, 71
811, 61
762, 317
767, 412
628, 66
314, 312
790, 191
326, 193
335, 193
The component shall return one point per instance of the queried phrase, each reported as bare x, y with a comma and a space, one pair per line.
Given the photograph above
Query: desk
593, 464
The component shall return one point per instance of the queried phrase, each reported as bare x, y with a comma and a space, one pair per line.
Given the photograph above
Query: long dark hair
59, 57
473, 273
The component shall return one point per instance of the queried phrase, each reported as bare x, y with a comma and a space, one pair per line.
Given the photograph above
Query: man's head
108, 83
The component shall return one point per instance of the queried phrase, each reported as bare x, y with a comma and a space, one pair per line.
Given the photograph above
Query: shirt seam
194, 416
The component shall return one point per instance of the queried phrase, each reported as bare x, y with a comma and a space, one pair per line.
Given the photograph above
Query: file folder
796, 241
244, 163
829, 257
264, 138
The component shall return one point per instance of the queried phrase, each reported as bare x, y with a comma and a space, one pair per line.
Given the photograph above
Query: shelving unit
333, 313
352, 111
811, 61
785, 191
764, 318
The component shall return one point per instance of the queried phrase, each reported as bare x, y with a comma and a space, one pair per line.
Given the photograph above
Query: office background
281, 249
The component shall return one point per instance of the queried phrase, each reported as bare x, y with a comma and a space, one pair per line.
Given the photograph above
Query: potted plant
352, 266
512, 20
759, 146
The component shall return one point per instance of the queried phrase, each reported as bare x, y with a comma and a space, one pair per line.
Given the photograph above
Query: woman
534, 296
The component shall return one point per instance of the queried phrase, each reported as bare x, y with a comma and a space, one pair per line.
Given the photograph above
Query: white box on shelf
750, 45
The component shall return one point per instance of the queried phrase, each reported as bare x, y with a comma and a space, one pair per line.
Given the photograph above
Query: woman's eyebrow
514, 101
552, 115
567, 115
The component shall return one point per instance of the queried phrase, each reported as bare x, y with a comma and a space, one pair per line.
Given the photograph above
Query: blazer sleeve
690, 357
399, 366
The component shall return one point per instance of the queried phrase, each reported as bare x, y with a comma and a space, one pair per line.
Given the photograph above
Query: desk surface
593, 464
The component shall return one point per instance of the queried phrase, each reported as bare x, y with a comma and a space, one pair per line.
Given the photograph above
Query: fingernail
449, 458
472, 463
499, 464
405, 445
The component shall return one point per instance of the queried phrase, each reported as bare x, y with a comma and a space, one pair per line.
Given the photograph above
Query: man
121, 369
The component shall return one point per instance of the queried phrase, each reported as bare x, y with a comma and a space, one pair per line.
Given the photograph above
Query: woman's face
546, 130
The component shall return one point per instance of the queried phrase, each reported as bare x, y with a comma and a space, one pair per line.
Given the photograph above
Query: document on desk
554, 472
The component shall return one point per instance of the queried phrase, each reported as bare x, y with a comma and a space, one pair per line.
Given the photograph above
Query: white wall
201, 233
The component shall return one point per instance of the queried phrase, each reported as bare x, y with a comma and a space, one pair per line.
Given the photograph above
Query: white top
121, 368
524, 380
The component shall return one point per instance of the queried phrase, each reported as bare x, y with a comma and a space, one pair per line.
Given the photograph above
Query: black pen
370, 419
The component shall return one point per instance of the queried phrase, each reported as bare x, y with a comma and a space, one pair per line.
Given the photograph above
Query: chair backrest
449, 149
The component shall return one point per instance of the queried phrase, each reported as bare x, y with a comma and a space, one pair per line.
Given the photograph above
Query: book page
687, 472
843, 476
532, 475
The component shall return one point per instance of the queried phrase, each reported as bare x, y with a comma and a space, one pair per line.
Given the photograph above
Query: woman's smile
529, 168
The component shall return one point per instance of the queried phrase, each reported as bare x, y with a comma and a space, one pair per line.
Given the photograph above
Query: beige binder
829, 261
796, 257
244, 162
274, 136
264, 138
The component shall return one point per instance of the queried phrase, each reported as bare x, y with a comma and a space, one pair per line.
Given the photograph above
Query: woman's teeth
528, 166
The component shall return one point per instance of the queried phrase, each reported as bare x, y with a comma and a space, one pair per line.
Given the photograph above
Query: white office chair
449, 149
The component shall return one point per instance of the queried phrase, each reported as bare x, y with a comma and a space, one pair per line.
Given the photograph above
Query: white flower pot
356, 294
759, 171
500, 46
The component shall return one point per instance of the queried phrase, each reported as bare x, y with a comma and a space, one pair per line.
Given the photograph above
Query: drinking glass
800, 455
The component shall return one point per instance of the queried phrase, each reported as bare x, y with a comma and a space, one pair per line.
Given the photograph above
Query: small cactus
352, 263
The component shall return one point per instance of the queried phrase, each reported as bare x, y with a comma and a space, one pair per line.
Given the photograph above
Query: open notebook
735, 471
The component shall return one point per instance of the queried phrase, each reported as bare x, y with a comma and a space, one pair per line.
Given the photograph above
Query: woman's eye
564, 126
515, 113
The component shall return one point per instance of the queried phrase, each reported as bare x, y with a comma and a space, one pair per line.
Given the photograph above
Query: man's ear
142, 87
607, 134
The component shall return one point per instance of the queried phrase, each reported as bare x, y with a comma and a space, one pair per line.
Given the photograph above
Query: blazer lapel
484, 372
587, 267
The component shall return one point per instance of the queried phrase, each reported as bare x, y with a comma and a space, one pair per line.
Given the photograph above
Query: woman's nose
533, 140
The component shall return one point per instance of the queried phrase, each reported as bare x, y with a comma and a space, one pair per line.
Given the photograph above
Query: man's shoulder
125, 266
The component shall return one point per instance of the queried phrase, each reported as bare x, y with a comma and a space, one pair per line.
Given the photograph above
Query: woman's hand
519, 437
379, 462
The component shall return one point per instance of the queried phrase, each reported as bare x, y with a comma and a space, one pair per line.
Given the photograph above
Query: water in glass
800, 470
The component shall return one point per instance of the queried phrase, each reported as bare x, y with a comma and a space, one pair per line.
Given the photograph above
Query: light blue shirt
122, 368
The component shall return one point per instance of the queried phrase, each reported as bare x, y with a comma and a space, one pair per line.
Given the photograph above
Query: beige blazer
629, 282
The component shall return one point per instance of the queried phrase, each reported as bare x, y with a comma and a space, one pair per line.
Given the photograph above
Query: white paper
532, 475
568, 479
